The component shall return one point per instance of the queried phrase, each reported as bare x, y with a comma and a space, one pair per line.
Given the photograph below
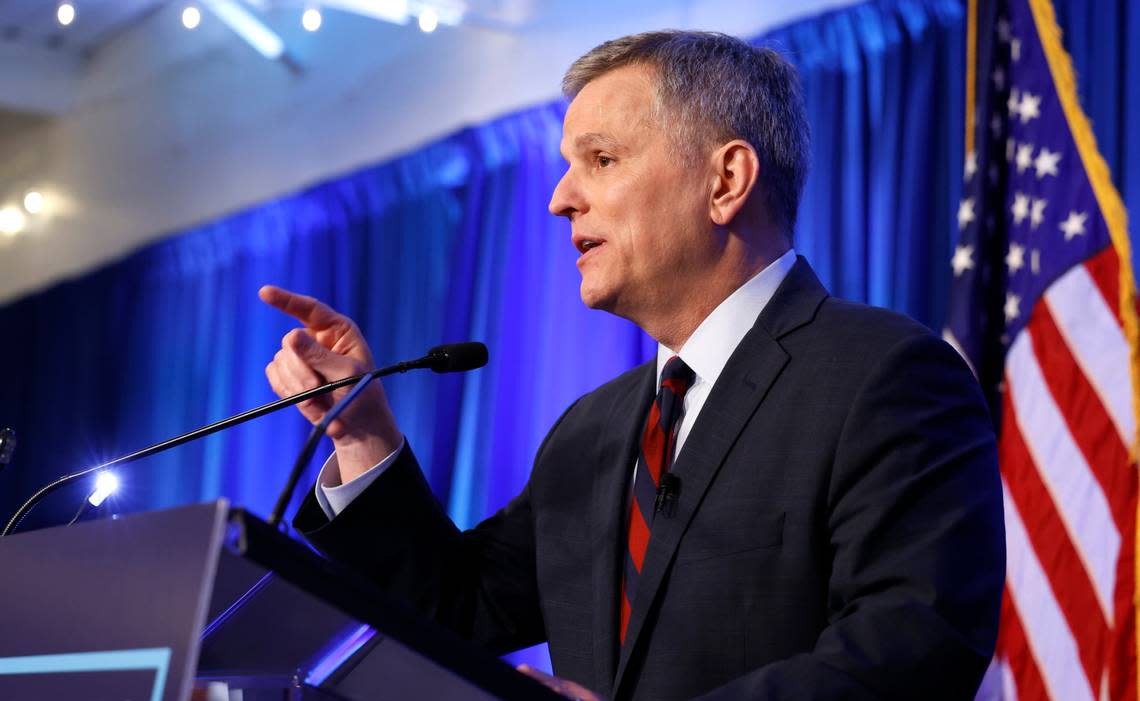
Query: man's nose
565, 201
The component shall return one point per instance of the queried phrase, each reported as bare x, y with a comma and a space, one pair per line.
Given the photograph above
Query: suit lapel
610, 494
751, 370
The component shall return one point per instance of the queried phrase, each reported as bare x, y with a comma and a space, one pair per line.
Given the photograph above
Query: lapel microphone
667, 492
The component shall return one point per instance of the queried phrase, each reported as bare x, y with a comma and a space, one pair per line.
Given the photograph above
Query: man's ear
736, 169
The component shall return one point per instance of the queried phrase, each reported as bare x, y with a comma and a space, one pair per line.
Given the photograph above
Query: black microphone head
457, 357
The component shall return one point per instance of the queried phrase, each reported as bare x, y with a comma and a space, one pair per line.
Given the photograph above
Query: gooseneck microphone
453, 357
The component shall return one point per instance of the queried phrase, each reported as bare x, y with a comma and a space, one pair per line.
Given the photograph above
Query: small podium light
105, 485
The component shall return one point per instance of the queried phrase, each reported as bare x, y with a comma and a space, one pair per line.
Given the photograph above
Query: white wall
167, 128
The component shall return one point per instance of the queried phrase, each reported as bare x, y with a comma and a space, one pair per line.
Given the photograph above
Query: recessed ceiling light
191, 17
12, 221
33, 202
311, 20
65, 14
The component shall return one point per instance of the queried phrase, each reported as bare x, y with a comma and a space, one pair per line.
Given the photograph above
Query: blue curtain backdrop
453, 242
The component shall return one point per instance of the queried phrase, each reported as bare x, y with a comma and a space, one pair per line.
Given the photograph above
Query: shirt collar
708, 349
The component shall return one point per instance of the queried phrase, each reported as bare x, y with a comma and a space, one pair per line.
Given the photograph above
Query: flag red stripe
1014, 648
1104, 268
1067, 574
1122, 649
1088, 421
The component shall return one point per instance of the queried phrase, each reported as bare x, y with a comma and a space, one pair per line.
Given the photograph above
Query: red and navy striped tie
654, 460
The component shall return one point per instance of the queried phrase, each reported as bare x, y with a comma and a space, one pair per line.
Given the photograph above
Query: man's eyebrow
594, 138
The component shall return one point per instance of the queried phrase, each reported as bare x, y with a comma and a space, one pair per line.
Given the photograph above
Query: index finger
310, 311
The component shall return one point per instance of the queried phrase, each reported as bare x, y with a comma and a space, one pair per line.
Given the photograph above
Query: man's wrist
357, 456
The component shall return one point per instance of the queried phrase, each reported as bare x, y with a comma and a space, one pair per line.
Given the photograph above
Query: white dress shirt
706, 352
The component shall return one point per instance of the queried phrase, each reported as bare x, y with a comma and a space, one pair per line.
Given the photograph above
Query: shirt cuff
335, 498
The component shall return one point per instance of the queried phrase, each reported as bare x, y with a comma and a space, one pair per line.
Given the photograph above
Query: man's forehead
611, 108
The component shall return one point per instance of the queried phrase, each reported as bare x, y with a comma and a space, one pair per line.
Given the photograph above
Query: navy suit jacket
837, 532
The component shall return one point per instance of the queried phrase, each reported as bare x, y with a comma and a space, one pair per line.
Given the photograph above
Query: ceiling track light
247, 25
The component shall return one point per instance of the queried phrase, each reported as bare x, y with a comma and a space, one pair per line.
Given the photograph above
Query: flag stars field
963, 259
1037, 212
1020, 208
1030, 107
1074, 225
1015, 259
1024, 157
965, 212
1013, 105
1012, 307
1046, 163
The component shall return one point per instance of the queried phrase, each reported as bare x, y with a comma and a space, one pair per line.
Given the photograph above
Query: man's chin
596, 299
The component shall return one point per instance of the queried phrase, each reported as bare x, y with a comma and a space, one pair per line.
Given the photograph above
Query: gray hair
714, 88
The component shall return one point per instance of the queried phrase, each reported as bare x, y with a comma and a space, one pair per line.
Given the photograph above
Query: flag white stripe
1050, 641
1097, 343
998, 683
1008, 683
1078, 496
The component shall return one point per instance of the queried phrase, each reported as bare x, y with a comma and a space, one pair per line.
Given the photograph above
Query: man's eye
605, 161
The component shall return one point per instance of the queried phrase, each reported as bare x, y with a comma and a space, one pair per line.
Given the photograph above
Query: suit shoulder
863, 326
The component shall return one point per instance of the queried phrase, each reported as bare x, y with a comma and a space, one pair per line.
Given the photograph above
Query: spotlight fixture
12, 221
311, 19
65, 13
429, 20
33, 202
191, 17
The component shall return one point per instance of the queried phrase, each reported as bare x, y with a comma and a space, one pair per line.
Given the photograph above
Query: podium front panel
111, 605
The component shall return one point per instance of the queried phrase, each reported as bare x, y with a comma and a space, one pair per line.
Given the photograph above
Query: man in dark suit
809, 508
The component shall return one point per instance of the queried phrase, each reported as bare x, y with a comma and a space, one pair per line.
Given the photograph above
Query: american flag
1043, 308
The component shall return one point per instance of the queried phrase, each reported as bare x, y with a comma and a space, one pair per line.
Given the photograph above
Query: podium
210, 599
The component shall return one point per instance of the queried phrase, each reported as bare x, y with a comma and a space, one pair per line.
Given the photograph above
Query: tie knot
677, 376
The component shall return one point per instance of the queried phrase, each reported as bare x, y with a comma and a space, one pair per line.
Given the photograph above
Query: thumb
330, 365
301, 342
